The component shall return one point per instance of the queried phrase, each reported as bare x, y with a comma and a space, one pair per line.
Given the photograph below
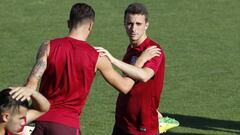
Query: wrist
31, 86
114, 61
34, 93
140, 62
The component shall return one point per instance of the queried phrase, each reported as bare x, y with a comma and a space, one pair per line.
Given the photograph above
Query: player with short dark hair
15, 114
136, 8
136, 112
87, 14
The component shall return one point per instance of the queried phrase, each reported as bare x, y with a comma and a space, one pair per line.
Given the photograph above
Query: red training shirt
67, 80
136, 112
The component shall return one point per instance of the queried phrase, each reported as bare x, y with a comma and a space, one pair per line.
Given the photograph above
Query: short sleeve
154, 63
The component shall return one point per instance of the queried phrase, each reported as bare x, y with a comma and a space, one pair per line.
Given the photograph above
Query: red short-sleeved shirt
67, 80
136, 112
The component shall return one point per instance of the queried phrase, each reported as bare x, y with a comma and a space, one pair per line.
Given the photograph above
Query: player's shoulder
54, 41
89, 47
153, 42
59, 39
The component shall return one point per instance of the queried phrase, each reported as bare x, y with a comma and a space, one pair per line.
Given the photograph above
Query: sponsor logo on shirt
133, 60
142, 129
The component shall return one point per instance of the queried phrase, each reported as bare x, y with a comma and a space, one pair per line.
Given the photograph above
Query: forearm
39, 102
125, 85
140, 62
121, 84
39, 67
31, 82
40, 105
135, 72
35, 76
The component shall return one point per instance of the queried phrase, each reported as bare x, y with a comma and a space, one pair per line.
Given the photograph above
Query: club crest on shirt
133, 60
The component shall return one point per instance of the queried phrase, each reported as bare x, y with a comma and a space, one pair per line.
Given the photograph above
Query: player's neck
138, 42
2, 130
78, 34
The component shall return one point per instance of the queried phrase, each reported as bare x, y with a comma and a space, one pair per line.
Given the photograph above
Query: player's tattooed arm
39, 67
41, 61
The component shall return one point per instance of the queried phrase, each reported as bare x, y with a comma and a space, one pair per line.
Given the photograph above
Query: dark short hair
136, 8
7, 103
80, 12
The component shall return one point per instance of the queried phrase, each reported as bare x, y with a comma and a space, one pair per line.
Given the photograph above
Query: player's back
67, 79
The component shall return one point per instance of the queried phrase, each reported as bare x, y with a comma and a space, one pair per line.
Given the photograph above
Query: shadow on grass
204, 124
172, 133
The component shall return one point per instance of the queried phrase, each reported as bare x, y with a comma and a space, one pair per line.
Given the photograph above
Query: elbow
125, 93
125, 89
46, 108
144, 78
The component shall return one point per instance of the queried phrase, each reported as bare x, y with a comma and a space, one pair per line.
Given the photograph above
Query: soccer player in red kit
136, 112
67, 67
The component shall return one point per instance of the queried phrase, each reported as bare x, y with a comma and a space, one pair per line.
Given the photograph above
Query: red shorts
119, 131
51, 128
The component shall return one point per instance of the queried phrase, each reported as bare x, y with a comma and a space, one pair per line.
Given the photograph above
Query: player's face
17, 121
136, 27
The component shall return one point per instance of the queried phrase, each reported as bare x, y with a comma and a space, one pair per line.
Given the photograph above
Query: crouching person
15, 111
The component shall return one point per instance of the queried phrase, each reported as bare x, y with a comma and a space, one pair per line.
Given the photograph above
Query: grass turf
200, 40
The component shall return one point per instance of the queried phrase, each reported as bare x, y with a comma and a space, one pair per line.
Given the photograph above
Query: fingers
97, 48
13, 90
19, 93
23, 96
153, 50
155, 55
102, 54
20, 96
102, 51
151, 47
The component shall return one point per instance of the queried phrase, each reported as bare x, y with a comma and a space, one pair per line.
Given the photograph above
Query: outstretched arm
122, 84
136, 72
40, 103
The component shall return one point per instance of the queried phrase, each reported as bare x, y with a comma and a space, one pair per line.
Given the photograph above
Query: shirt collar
142, 46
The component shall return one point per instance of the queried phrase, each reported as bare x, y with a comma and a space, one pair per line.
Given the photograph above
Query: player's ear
146, 26
5, 117
90, 25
